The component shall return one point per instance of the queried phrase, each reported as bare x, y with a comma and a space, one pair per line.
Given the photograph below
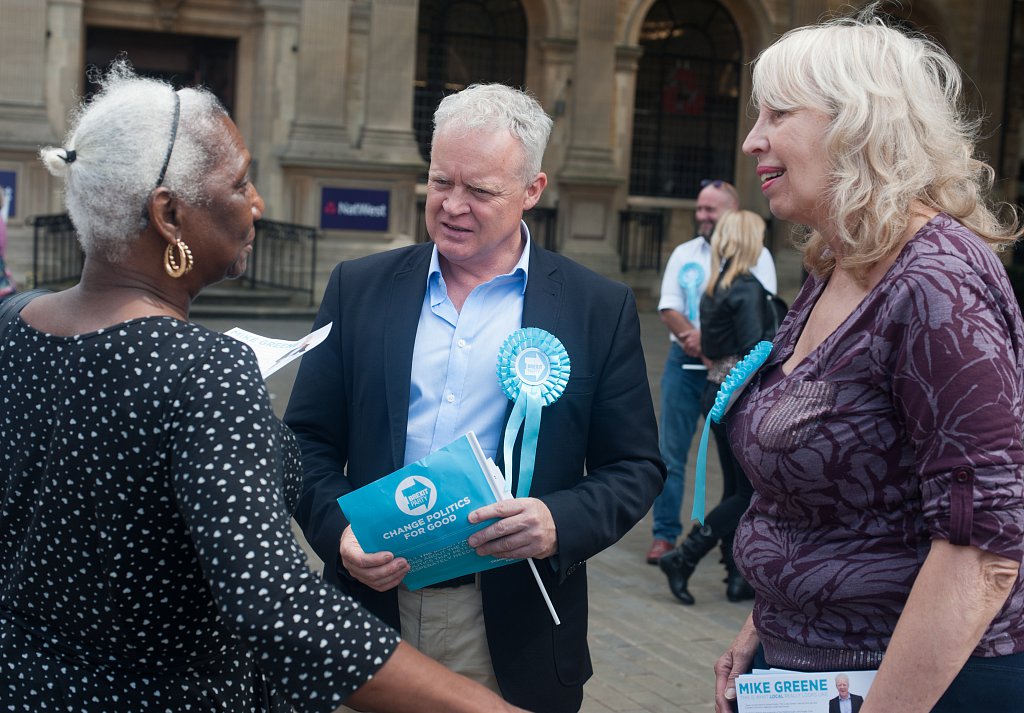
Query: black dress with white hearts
146, 558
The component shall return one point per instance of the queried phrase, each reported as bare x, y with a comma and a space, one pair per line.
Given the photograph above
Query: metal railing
641, 233
57, 257
542, 222
283, 258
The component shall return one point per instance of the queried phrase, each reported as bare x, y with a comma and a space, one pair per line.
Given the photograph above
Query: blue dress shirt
454, 386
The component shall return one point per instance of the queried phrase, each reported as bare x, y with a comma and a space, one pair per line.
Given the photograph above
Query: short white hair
496, 107
120, 139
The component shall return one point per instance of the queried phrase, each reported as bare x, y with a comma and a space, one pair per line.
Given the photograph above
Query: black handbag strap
12, 305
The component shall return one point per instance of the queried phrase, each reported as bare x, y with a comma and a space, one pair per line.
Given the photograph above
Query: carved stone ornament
167, 12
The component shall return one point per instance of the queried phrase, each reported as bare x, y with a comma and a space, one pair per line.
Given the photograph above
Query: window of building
687, 99
462, 42
182, 60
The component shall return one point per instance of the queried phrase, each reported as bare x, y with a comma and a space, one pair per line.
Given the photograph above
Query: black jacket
733, 320
856, 701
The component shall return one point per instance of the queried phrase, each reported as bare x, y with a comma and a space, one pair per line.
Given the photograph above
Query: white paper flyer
777, 691
272, 354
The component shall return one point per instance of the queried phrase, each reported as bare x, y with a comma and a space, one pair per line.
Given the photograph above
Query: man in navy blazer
412, 327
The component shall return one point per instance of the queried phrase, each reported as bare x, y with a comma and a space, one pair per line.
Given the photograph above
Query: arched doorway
687, 98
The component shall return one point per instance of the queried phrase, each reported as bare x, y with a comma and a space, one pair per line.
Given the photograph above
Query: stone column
274, 78
552, 84
63, 60
24, 35
391, 69
589, 180
590, 149
627, 61
318, 130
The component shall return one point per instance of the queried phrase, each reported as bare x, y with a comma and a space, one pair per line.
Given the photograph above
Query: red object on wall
682, 94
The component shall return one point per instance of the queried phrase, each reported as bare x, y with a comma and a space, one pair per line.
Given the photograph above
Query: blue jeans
681, 390
985, 684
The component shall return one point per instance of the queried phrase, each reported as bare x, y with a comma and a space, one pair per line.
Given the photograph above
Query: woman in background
883, 435
733, 318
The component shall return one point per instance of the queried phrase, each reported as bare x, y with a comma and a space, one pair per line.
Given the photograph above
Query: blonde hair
737, 242
899, 136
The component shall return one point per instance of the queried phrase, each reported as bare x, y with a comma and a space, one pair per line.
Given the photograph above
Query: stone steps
228, 300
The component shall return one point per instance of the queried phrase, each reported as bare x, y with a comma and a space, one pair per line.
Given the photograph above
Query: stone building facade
334, 99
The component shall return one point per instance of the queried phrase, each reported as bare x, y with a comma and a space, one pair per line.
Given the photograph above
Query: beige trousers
448, 626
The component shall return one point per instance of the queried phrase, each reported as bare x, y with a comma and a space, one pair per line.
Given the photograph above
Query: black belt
455, 582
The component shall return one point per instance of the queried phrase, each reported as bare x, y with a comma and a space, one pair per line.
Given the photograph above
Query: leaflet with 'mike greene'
780, 691
421, 512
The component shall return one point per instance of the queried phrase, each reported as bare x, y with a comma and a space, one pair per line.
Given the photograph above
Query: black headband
170, 144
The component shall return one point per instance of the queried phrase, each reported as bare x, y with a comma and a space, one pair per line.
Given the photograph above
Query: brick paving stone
634, 619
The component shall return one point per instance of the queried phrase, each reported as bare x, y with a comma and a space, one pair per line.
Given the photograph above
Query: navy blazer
598, 468
855, 701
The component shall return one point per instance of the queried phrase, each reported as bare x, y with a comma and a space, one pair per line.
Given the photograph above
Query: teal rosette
736, 380
533, 369
691, 277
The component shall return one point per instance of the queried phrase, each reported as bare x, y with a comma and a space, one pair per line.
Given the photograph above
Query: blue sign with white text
354, 209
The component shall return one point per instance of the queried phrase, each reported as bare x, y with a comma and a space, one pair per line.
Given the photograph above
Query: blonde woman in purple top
883, 436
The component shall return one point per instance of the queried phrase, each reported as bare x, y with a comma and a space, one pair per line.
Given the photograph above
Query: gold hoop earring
177, 265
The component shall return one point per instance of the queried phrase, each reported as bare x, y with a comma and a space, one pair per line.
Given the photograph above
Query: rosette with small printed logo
691, 277
533, 369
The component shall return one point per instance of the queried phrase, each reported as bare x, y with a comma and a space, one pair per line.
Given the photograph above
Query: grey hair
497, 107
120, 139
842, 677
898, 134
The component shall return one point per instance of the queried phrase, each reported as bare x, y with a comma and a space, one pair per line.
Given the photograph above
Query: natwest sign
354, 209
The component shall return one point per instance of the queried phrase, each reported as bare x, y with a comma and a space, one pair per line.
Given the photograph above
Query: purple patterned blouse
903, 426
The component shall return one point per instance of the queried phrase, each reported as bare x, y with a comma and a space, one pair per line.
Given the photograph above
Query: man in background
686, 278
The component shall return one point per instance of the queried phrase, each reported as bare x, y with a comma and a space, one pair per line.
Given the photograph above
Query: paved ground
651, 654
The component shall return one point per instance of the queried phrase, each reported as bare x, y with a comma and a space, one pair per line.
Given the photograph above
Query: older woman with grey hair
883, 436
147, 557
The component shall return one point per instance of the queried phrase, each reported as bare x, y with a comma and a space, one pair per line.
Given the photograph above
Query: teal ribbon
533, 369
700, 480
736, 380
691, 275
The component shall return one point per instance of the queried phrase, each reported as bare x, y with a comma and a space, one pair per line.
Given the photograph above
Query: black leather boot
679, 564
737, 589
